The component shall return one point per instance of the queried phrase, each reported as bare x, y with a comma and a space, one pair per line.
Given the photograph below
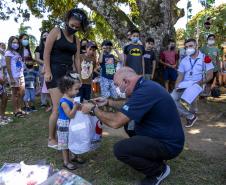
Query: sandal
70, 166
78, 159
19, 115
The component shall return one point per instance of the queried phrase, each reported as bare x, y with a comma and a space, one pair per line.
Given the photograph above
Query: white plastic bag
80, 132
97, 132
85, 133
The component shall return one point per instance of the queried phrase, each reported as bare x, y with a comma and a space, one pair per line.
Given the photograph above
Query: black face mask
70, 30
29, 66
83, 47
44, 39
172, 47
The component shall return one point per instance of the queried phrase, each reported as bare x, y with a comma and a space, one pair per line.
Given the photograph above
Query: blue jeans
29, 95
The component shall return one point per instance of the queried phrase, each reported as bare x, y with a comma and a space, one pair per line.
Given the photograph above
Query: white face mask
190, 51
119, 93
211, 42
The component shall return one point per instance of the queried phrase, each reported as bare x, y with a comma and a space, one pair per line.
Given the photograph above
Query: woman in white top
15, 68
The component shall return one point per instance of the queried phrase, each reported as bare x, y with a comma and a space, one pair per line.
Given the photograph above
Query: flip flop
78, 159
53, 146
70, 166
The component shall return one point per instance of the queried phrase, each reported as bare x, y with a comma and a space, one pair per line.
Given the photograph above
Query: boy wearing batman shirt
133, 53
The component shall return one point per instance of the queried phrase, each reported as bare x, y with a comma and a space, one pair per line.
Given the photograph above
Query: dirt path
207, 136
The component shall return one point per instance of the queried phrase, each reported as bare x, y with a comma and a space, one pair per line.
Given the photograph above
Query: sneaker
27, 110
191, 122
43, 106
156, 180
33, 109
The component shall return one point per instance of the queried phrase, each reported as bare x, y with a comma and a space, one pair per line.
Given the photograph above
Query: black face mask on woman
70, 30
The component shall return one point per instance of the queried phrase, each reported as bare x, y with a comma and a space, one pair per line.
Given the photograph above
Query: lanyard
192, 65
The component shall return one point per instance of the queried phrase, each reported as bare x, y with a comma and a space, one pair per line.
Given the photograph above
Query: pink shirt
169, 57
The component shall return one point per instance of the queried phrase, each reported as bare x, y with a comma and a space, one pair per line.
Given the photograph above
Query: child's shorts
62, 134
19, 82
29, 95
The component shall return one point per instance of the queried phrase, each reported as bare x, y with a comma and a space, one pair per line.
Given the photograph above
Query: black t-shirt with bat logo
134, 54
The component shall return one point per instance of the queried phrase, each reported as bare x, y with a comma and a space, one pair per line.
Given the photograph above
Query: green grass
26, 139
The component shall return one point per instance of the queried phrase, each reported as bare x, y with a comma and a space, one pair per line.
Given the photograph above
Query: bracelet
92, 111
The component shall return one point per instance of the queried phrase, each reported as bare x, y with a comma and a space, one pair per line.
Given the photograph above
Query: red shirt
169, 57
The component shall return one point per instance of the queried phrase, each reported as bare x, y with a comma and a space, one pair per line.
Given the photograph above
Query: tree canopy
217, 19
154, 18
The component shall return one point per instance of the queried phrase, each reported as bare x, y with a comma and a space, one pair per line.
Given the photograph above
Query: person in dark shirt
62, 55
149, 59
133, 53
158, 131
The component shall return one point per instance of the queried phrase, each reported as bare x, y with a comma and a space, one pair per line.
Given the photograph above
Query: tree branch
116, 18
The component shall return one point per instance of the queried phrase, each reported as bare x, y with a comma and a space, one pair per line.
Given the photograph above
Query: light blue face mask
25, 42
135, 39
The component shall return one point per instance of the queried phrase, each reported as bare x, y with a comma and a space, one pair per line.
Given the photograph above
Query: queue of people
67, 68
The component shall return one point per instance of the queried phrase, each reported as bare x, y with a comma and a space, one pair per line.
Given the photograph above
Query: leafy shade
218, 22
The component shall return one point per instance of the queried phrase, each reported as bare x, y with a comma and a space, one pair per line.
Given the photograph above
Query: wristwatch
92, 111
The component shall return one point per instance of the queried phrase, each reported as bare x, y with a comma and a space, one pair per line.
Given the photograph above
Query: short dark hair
171, 40
67, 81
149, 39
21, 49
10, 41
190, 40
211, 35
106, 43
135, 31
80, 15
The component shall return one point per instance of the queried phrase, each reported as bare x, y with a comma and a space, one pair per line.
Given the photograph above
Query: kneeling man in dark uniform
158, 131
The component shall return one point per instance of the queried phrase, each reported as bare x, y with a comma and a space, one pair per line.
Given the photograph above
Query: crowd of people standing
68, 67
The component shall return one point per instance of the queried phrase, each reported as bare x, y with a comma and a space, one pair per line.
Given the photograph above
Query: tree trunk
156, 19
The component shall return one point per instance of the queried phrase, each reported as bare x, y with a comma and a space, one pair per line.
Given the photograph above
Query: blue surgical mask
135, 39
25, 42
15, 46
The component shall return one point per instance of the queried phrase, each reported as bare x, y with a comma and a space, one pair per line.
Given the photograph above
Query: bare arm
143, 67
113, 120
52, 37
209, 76
101, 57
117, 104
8, 65
153, 69
69, 112
180, 77
77, 64
37, 58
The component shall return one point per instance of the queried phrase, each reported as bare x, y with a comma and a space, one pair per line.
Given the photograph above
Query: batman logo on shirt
135, 52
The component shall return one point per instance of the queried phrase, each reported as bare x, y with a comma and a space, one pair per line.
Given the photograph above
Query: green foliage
218, 21
180, 34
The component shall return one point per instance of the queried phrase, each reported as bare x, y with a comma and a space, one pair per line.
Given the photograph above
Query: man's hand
100, 101
86, 107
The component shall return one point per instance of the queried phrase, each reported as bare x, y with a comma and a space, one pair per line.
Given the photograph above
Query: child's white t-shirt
17, 65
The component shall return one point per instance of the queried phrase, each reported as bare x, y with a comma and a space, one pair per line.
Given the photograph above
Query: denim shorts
29, 95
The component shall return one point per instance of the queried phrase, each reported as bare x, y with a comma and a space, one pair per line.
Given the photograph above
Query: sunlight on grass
194, 131
218, 125
207, 139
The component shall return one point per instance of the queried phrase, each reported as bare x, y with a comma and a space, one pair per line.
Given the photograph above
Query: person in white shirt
15, 68
192, 70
